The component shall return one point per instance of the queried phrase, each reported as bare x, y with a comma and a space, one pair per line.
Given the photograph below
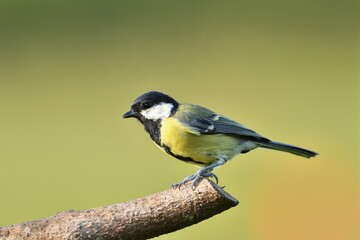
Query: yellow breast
184, 141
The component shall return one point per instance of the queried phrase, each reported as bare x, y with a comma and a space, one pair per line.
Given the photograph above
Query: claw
196, 178
199, 175
211, 175
185, 180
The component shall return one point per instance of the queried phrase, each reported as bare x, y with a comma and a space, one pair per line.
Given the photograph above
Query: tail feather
288, 148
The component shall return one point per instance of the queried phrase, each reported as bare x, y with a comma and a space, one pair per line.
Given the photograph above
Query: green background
287, 69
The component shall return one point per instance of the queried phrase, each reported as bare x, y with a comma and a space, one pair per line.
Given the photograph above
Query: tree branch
143, 218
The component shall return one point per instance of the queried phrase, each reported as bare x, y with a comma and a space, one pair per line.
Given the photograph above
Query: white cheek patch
157, 112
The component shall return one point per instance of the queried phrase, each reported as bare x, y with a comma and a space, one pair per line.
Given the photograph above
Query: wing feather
205, 121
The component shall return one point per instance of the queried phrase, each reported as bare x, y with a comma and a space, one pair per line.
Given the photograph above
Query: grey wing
207, 122
228, 126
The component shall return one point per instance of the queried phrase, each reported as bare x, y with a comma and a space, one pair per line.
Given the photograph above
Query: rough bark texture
143, 218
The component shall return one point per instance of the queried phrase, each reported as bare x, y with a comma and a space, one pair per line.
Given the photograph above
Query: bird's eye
147, 104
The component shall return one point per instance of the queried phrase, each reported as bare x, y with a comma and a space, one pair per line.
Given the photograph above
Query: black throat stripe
153, 128
185, 159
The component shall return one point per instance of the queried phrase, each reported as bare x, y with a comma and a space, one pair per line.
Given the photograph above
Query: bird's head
152, 106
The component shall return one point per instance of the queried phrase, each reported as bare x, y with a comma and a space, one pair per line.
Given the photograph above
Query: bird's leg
204, 172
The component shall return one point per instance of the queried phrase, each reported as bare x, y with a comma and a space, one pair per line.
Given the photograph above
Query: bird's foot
196, 178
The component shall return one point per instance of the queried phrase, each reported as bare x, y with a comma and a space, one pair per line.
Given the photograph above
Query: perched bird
197, 135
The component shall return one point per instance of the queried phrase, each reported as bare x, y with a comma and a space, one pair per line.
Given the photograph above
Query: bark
143, 218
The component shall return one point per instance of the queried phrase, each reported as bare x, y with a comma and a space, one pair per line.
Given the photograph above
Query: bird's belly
205, 149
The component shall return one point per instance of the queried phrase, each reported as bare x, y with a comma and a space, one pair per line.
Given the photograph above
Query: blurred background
287, 69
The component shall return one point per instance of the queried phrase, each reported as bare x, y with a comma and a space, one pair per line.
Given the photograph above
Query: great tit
197, 135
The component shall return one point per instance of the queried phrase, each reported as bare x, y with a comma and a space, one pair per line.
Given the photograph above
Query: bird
198, 135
